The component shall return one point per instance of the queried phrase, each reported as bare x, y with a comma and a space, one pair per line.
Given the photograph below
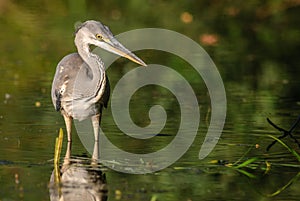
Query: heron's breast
80, 108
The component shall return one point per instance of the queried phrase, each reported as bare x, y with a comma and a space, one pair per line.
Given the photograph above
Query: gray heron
80, 87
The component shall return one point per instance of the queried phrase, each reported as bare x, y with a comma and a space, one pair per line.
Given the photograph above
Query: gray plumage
71, 91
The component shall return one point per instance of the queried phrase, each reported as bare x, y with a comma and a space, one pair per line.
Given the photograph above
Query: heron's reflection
78, 179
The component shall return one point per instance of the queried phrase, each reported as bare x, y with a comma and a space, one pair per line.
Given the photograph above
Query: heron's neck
96, 67
92, 60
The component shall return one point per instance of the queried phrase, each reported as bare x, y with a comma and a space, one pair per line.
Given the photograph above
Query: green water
256, 53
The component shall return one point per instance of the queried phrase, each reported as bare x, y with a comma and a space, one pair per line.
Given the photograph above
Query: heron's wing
65, 76
106, 94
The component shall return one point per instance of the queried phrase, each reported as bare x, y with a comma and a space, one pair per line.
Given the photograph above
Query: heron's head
95, 33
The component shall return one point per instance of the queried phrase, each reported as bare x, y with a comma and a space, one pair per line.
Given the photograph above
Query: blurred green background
254, 44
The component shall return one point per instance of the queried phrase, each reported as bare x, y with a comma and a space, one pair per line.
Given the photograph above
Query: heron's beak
114, 46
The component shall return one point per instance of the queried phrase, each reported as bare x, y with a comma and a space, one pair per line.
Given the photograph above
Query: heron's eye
99, 37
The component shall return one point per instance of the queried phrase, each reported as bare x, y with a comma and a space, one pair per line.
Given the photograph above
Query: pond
254, 47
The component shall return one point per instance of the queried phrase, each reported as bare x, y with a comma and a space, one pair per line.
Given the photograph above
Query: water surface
258, 64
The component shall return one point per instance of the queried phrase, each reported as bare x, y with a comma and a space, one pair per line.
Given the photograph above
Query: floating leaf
248, 174
268, 167
154, 198
247, 162
287, 147
285, 186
